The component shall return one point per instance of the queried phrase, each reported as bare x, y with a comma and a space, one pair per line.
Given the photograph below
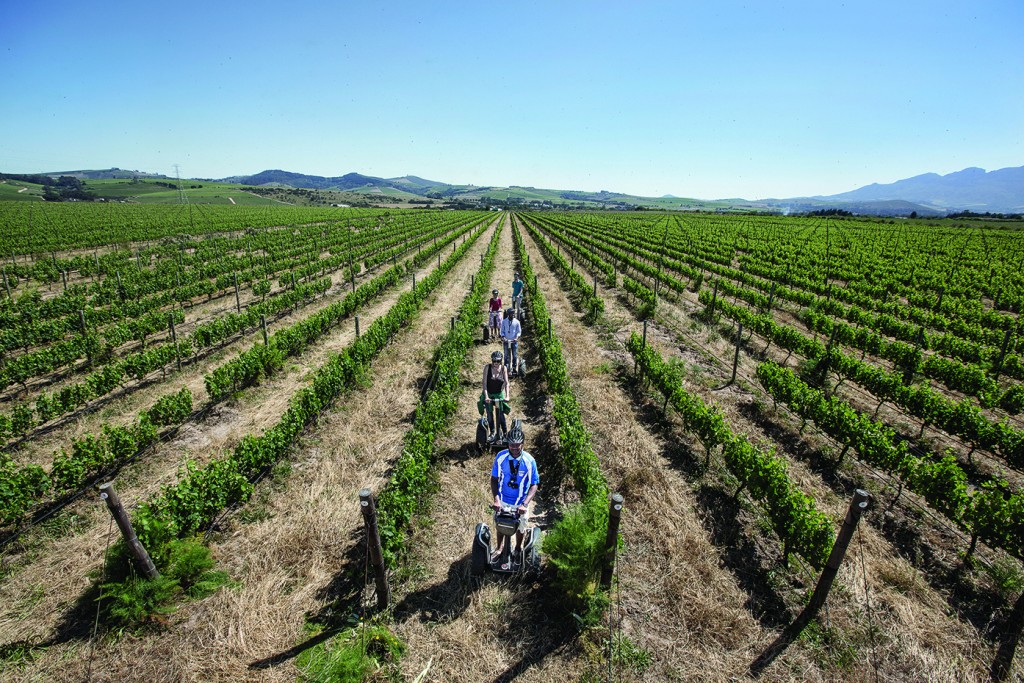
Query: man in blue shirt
514, 481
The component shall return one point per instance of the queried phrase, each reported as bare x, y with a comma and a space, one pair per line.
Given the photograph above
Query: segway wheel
481, 435
522, 367
481, 550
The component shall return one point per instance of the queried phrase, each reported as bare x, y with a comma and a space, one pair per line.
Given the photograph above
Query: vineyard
240, 373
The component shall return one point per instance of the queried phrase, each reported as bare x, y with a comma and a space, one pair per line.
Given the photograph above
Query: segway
482, 429
506, 522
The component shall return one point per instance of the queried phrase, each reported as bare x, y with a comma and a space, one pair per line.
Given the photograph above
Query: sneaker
490, 438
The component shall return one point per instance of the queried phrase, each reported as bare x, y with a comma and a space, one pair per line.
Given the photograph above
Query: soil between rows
684, 593
285, 558
911, 632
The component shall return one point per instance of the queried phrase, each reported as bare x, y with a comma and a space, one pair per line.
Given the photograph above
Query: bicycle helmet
494, 292
496, 357
515, 435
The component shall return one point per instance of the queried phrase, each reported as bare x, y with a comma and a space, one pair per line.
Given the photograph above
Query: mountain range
972, 189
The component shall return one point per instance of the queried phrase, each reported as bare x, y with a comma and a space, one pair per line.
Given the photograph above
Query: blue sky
711, 99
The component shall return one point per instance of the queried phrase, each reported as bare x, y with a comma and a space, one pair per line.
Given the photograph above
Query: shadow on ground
726, 521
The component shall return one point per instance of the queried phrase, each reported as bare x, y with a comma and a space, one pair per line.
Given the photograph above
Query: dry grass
911, 634
695, 597
284, 563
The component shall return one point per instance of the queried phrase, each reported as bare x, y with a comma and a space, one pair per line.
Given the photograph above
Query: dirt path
30, 615
911, 633
498, 628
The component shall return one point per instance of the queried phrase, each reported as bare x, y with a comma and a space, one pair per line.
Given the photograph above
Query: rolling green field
13, 190
158, 192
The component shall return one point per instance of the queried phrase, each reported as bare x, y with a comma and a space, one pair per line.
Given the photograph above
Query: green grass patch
352, 656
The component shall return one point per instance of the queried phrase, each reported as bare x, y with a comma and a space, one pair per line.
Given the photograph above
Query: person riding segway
514, 482
517, 294
511, 331
494, 316
495, 392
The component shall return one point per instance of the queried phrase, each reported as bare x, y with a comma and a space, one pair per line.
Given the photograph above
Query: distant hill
349, 181
883, 207
104, 174
999, 191
972, 189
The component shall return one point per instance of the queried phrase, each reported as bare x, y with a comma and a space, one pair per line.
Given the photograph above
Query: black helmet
496, 357
494, 292
515, 435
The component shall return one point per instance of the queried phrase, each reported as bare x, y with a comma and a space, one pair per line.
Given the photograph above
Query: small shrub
131, 601
575, 546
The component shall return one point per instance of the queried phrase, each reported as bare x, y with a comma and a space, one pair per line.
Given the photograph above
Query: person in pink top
494, 320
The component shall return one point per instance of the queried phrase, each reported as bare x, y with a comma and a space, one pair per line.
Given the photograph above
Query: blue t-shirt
515, 476
517, 287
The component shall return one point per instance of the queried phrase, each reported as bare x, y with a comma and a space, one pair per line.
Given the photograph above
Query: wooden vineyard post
858, 504
997, 367
572, 262
644, 346
357, 327
595, 284
352, 277
611, 540
736, 356
439, 259
481, 260
453, 322
376, 553
535, 282
238, 300
138, 553
64, 277
414, 286
120, 287
1002, 666
263, 326
174, 338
